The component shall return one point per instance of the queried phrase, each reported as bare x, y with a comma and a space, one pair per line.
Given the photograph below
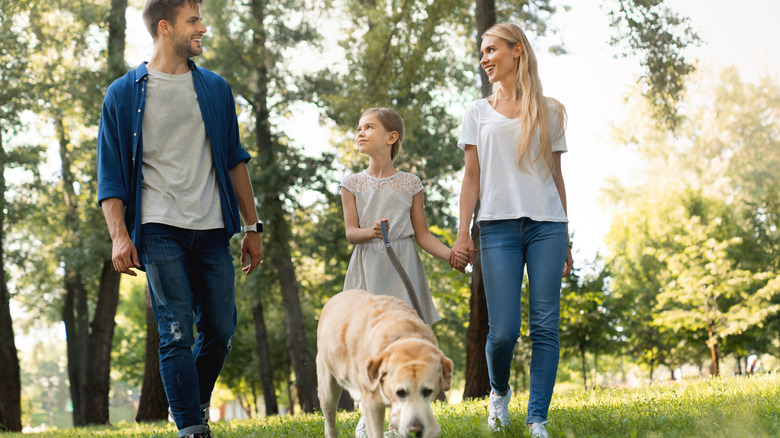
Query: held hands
462, 253
252, 246
124, 256
459, 259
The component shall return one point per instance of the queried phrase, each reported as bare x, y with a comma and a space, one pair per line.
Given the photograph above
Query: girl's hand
569, 262
459, 260
378, 228
464, 247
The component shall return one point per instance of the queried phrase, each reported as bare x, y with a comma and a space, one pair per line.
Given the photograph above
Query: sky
592, 84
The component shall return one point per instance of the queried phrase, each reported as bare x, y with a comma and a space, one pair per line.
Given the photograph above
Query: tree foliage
686, 240
659, 36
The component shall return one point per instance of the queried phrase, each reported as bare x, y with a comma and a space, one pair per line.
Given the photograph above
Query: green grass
726, 407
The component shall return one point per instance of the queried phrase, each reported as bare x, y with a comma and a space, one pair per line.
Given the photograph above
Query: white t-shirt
179, 185
505, 190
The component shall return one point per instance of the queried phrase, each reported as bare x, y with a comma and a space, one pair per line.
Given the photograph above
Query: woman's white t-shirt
505, 190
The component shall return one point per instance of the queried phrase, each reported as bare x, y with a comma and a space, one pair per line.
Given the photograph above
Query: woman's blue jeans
191, 282
506, 247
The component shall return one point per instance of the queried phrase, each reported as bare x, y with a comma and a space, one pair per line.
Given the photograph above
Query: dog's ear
446, 372
375, 370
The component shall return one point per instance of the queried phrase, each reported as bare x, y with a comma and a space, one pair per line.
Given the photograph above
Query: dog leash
397, 265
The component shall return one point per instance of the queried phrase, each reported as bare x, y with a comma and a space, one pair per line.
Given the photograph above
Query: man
172, 181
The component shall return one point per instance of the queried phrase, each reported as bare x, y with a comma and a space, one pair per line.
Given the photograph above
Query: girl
382, 193
513, 142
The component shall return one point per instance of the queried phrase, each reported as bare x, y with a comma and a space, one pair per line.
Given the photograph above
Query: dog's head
409, 374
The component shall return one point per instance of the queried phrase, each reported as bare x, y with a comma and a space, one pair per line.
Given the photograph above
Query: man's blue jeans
191, 281
506, 247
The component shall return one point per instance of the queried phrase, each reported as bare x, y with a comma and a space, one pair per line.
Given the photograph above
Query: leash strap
401, 272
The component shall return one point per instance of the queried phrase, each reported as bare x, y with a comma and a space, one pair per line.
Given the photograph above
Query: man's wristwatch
257, 228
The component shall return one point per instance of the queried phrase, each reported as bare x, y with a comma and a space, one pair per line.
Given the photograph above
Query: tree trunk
101, 333
100, 342
10, 380
89, 355
347, 404
75, 309
117, 23
297, 345
584, 362
153, 405
74, 315
266, 370
652, 363
486, 18
279, 251
713, 344
477, 379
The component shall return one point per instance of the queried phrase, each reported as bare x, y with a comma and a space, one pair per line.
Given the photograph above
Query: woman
513, 142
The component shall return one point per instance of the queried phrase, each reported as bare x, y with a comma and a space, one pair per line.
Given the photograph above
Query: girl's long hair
532, 105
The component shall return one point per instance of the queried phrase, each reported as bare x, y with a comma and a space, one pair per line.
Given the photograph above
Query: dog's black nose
416, 429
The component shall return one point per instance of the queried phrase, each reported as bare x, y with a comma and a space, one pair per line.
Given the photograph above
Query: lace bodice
380, 198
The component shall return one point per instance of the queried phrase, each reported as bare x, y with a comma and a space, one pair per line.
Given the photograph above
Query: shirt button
139, 111
134, 134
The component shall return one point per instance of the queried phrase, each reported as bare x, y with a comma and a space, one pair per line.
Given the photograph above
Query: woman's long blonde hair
531, 103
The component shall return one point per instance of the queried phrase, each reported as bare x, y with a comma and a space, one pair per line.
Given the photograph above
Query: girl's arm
355, 234
422, 234
559, 184
469, 194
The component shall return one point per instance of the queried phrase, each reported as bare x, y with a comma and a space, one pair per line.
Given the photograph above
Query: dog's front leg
375, 417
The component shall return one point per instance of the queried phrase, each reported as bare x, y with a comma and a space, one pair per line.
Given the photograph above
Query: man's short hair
158, 10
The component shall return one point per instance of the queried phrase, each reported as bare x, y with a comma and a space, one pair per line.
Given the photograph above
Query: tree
588, 323
692, 254
248, 40
706, 291
660, 36
14, 58
68, 97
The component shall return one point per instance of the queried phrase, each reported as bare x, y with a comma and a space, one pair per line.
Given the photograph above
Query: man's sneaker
498, 413
360, 430
204, 414
537, 430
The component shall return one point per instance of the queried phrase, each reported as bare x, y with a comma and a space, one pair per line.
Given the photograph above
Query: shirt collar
141, 72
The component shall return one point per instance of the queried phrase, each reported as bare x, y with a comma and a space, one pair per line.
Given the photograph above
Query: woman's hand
463, 248
568, 264
459, 259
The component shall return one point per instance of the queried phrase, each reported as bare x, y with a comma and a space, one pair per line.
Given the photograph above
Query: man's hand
124, 256
252, 246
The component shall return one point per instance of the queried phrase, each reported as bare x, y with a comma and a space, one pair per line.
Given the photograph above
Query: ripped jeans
191, 282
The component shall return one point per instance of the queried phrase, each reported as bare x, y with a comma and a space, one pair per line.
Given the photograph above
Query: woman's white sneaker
498, 411
538, 430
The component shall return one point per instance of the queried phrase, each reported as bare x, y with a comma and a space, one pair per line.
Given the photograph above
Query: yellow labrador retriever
378, 349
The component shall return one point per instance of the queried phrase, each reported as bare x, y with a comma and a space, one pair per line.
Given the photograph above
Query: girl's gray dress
370, 267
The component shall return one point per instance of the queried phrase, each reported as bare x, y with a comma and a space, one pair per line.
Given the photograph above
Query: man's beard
184, 48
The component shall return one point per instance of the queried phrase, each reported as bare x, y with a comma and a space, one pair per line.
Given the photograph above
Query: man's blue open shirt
120, 145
